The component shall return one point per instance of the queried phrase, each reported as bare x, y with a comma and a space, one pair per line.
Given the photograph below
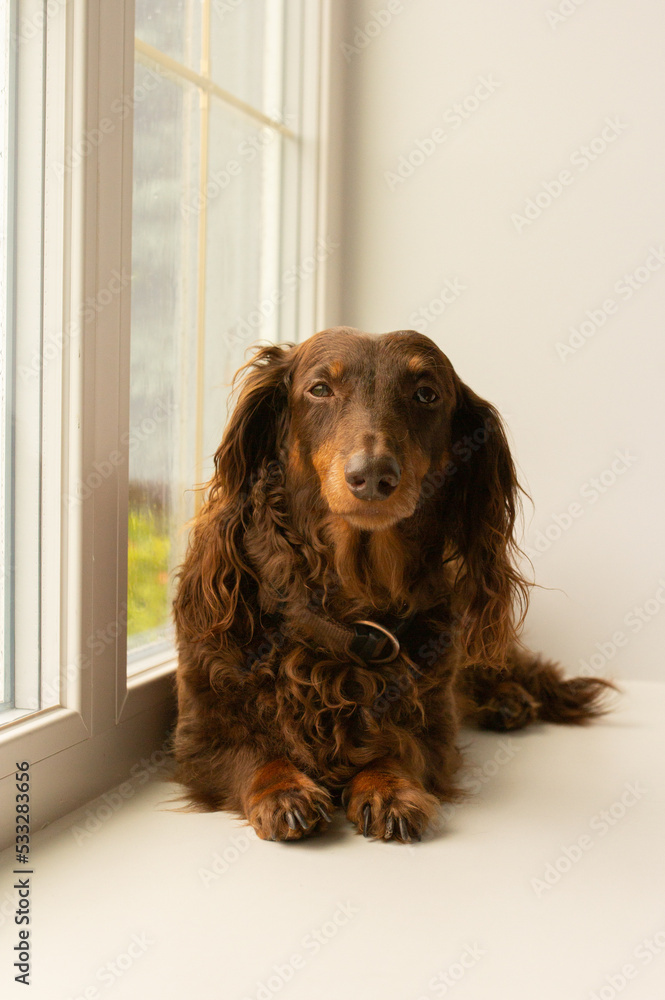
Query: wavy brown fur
273, 727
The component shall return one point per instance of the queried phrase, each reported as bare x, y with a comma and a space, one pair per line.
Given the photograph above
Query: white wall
553, 86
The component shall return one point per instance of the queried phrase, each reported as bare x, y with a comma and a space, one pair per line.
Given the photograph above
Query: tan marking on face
296, 463
388, 558
417, 364
323, 459
336, 370
419, 462
369, 515
375, 582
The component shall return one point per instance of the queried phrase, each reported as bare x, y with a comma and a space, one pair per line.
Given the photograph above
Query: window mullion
54, 349
105, 333
152, 57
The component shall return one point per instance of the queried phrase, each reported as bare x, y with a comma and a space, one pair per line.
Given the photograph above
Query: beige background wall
498, 179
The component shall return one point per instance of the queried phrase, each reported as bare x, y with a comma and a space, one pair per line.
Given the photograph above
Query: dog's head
372, 428
380, 423
371, 417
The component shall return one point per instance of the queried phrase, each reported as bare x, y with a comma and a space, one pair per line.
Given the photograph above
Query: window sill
203, 907
58, 743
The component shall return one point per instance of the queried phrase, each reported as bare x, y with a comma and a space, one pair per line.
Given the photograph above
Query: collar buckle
373, 643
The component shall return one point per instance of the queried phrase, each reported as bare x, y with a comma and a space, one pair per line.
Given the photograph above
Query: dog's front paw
285, 804
388, 806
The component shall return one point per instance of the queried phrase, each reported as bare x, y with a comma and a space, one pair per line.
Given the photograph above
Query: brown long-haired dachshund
350, 593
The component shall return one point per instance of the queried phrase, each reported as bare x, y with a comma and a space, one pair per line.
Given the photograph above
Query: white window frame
105, 722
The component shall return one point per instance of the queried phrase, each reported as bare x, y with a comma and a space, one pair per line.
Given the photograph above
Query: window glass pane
207, 268
163, 359
243, 290
172, 26
246, 42
28, 229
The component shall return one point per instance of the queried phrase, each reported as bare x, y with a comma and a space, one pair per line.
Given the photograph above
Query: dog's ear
481, 501
258, 422
215, 571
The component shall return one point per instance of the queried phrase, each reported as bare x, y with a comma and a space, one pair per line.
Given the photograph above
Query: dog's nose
372, 477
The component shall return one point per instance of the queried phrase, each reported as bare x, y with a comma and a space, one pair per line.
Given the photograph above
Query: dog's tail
529, 689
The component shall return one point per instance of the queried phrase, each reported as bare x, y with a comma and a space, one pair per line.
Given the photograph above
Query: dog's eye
425, 394
321, 389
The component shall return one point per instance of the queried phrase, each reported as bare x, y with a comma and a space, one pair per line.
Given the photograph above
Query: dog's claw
403, 829
367, 812
326, 816
291, 820
301, 819
390, 826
